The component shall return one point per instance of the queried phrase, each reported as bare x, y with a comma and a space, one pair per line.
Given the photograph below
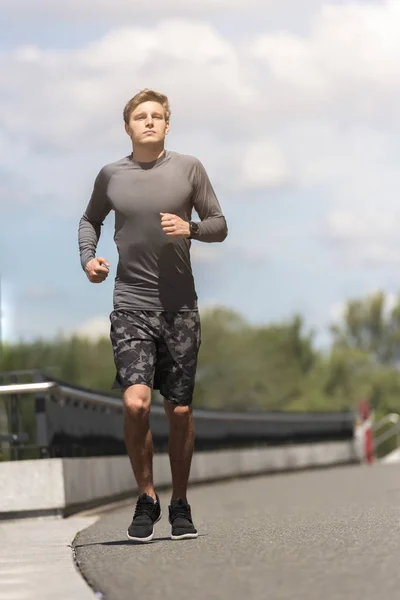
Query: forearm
212, 229
88, 237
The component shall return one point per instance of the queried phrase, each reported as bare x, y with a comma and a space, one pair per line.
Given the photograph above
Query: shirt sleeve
90, 224
213, 226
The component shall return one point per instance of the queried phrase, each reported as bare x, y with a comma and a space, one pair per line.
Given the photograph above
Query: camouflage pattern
158, 349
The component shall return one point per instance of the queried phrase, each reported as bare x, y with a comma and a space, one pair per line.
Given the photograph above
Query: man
155, 324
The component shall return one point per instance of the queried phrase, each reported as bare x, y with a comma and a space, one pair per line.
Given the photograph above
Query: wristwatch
194, 229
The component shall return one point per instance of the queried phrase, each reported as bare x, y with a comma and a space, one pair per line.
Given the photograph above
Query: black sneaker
147, 513
180, 518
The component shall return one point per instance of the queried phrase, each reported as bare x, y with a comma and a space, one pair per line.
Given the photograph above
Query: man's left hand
173, 225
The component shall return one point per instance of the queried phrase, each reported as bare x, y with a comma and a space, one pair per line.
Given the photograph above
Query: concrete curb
63, 486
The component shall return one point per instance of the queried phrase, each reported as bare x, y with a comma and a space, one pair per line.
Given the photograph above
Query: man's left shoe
180, 517
147, 514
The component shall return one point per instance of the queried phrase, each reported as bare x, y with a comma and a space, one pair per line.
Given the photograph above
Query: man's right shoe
147, 513
180, 517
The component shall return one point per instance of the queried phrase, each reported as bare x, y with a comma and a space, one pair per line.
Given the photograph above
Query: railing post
4, 421
42, 429
14, 421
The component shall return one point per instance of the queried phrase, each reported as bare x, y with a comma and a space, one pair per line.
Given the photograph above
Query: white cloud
204, 253
361, 227
264, 165
120, 10
93, 329
105, 6
368, 237
316, 111
348, 64
71, 122
337, 312
82, 92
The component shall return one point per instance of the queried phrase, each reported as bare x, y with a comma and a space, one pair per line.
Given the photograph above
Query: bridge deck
316, 535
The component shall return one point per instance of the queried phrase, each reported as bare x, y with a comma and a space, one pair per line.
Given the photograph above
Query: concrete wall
391, 458
64, 485
31, 485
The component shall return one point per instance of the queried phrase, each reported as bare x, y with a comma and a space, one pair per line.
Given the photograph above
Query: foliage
265, 367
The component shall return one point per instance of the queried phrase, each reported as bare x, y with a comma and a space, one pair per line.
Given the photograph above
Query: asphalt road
316, 535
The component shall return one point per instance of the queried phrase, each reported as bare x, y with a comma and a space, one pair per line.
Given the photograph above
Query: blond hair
146, 95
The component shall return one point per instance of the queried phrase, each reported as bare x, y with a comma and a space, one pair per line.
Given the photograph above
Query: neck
147, 153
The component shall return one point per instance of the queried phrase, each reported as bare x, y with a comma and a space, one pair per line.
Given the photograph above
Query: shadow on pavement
129, 543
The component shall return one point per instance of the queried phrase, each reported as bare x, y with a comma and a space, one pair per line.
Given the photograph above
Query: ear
167, 129
127, 129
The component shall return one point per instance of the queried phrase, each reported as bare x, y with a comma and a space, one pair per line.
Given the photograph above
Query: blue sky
293, 112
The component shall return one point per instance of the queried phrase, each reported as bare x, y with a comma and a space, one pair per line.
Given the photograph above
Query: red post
366, 423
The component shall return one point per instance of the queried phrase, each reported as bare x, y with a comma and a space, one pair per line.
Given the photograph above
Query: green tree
372, 326
247, 367
264, 367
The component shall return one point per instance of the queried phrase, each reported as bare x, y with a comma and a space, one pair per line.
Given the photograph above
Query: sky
293, 111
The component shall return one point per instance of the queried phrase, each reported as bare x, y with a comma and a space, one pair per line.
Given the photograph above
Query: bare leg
138, 438
180, 446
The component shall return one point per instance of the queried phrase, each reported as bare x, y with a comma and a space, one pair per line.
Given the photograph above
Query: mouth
149, 133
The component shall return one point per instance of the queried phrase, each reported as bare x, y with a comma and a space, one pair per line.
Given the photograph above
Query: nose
149, 121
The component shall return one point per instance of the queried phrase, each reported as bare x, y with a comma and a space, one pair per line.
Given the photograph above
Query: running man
155, 325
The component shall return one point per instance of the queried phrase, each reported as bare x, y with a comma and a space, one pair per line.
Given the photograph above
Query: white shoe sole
143, 540
185, 536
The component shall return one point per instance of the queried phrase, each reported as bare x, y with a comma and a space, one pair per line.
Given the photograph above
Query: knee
179, 414
137, 404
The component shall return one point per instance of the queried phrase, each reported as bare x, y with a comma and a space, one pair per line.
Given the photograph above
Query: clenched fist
96, 273
174, 226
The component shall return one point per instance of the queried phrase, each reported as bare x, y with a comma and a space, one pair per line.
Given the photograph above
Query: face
147, 124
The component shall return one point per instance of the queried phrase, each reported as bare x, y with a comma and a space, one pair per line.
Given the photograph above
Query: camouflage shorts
157, 349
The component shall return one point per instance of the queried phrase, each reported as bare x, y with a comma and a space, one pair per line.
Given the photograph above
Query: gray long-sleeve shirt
154, 270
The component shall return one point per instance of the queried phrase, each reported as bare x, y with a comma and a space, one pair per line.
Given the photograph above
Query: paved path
316, 535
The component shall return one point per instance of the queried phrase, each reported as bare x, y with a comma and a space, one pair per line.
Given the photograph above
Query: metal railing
45, 392
73, 421
59, 391
394, 431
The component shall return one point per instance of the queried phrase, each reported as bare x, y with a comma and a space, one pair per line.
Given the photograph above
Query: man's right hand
96, 273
